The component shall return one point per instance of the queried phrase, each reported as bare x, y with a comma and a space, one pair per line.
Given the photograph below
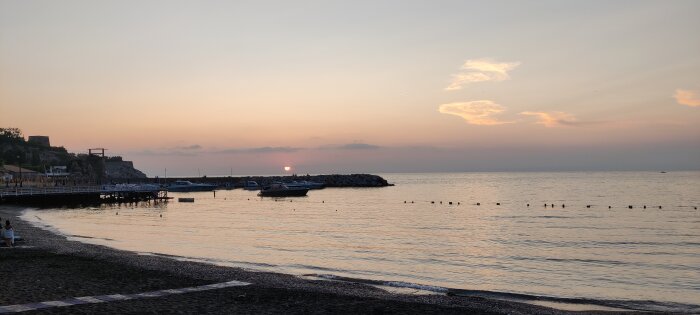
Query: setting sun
287, 168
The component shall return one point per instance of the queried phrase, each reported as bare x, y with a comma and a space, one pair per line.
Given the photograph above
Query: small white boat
305, 184
186, 186
251, 185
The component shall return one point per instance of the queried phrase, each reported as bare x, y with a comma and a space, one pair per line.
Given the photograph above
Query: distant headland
35, 162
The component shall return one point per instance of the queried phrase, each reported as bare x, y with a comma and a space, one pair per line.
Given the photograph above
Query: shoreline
327, 296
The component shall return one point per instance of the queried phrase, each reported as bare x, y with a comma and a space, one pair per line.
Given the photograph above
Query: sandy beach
49, 267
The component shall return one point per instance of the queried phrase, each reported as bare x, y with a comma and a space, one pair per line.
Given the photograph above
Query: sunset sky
247, 87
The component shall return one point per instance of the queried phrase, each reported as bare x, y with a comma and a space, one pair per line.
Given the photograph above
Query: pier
80, 194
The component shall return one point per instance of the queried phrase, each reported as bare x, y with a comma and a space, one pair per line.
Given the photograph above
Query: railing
64, 190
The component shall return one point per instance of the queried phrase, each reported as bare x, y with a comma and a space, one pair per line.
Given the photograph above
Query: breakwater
334, 180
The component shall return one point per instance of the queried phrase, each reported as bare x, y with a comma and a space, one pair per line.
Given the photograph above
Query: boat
186, 186
305, 184
281, 190
251, 185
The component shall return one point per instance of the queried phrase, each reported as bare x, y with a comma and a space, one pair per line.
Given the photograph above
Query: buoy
411, 201
450, 202
432, 202
563, 206
659, 207
696, 208
545, 205
645, 206
404, 201
458, 203
609, 207
498, 203
528, 204
117, 213
323, 201
478, 203
630, 207
161, 215
552, 205
588, 206
440, 202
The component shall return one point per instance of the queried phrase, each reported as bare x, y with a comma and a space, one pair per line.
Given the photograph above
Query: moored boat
187, 186
305, 184
251, 185
281, 190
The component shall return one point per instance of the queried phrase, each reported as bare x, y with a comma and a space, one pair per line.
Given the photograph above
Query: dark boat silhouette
281, 190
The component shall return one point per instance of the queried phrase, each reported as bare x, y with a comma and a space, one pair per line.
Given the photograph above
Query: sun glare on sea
287, 168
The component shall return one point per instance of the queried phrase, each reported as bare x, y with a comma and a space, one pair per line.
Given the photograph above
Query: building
17, 172
40, 140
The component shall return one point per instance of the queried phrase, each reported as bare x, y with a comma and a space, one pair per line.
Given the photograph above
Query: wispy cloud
687, 97
481, 70
260, 150
475, 112
350, 146
553, 119
189, 147
166, 152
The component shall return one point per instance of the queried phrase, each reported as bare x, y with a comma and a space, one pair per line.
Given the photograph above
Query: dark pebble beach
48, 267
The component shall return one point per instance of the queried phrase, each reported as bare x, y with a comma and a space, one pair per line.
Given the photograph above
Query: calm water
370, 233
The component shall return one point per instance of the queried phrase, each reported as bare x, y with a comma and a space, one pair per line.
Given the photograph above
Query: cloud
359, 146
148, 152
553, 119
475, 112
687, 97
481, 70
190, 147
261, 150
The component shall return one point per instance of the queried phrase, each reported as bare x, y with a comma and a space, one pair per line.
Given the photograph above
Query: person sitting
9, 234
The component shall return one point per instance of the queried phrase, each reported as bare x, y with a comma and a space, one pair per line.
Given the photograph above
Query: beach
49, 267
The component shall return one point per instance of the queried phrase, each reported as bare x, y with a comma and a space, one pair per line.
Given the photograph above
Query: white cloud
687, 97
475, 112
553, 119
481, 70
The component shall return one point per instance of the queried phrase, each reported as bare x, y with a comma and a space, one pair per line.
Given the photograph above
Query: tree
11, 135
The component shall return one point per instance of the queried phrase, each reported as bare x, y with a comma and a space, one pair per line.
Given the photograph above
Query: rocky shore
49, 267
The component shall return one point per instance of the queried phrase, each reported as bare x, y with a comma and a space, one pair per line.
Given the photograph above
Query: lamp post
19, 162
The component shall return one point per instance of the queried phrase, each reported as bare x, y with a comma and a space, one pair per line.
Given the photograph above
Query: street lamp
19, 162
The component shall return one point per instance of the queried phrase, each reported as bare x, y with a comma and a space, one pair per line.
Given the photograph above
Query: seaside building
57, 171
15, 171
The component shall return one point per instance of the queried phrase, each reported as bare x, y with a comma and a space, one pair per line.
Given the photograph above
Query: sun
287, 168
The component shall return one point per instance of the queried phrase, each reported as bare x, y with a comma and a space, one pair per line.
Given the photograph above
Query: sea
618, 239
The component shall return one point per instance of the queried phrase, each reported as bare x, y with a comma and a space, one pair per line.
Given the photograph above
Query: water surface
410, 233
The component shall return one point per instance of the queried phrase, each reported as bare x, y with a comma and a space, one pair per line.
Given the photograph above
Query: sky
247, 87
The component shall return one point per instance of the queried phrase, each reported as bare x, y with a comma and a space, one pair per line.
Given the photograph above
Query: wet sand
47, 267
